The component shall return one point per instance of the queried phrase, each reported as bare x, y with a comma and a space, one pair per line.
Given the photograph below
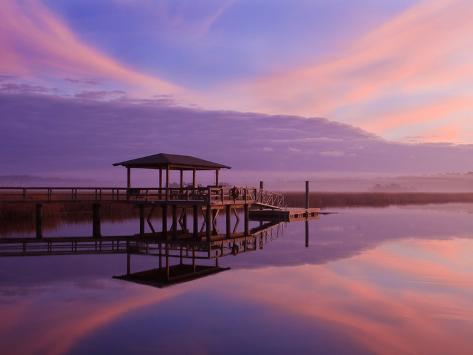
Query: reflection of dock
179, 273
184, 246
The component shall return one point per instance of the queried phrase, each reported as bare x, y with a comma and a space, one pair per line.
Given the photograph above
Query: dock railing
79, 194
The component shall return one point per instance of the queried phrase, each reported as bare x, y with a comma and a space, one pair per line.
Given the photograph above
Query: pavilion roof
171, 161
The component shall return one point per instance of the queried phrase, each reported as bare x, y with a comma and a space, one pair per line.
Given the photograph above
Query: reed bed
19, 217
373, 199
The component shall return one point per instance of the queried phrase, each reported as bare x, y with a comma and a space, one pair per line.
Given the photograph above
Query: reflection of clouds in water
386, 301
364, 275
335, 229
55, 320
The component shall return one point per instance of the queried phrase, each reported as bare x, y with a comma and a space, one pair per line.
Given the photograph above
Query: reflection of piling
306, 233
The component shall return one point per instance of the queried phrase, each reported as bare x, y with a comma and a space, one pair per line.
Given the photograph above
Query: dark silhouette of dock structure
188, 228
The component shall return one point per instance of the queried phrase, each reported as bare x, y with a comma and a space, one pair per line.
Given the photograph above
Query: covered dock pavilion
164, 162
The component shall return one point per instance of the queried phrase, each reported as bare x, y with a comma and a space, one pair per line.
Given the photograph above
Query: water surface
372, 280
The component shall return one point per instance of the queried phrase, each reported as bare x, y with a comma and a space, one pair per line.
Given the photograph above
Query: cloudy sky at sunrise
394, 73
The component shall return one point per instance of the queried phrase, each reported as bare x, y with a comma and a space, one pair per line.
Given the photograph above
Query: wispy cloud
415, 68
33, 42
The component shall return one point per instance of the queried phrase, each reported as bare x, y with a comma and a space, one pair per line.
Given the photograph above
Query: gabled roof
171, 161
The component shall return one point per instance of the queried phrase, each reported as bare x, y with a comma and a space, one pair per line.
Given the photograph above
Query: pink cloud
34, 41
420, 56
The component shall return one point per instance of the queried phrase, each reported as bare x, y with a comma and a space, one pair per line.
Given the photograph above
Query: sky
396, 72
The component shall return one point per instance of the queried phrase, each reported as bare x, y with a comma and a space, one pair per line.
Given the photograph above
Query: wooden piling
228, 220
128, 263
160, 183
164, 217
168, 274
184, 219
174, 221
208, 222
142, 220
96, 232
246, 219
160, 255
193, 259
39, 220
195, 213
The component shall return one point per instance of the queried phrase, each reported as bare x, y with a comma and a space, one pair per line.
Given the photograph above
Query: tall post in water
307, 214
261, 187
307, 195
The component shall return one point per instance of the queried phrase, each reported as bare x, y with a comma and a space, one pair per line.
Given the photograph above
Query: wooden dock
284, 214
187, 227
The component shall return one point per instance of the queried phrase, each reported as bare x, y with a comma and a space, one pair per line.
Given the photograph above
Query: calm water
389, 280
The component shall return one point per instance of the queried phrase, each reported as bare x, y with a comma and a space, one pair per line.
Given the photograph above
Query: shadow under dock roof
171, 161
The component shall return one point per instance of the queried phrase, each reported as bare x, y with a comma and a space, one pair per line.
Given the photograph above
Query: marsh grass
373, 199
18, 218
